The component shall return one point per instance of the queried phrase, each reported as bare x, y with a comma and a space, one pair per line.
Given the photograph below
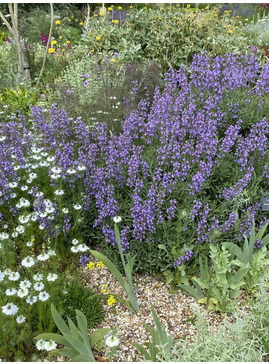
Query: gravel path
176, 312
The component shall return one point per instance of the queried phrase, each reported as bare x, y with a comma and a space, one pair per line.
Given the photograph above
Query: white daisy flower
50, 345
14, 276
74, 249
4, 236
52, 277
40, 344
10, 309
112, 341
11, 291
38, 286
25, 284
38, 277
20, 229
77, 207
65, 210
2, 276
75, 241
117, 219
24, 188
31, 300
32, 175
55, 176
43, 256
59, 192
43, 296
71, 171
13, 184
22, 292
56, 170
51, 253
29, 243
82, 247
28, 262
41, 227
50, 159
20, 319
15, 234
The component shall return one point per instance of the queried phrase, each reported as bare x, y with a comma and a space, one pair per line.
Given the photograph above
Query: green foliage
255, 260
77, 344
128, 269
220, 284
20, 99
167, 33
161, 343
73, 293
230, 342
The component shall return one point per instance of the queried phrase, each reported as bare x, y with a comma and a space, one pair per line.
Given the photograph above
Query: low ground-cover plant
231, 342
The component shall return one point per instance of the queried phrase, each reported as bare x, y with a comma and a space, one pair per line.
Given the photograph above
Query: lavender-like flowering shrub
178, 172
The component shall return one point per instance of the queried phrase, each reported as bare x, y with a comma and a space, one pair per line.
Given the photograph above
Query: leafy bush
169, 34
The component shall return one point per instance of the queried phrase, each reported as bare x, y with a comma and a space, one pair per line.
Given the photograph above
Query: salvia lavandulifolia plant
179, 171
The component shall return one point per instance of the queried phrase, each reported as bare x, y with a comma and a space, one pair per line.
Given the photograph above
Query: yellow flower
82, 51
81, 23
56, 28
100, 264
95, 15
54, 42
51, 50
230, 31
89, 33
68, 42
33, 240
206, 7
119, 7
111, 300
62, 49
237, 17
113, 60
104, 290
116, 22
178, 5
90, 265
98, 38
109, 9
188, 6
127, 14
102, 13
57, 22
236, 27
60, 37
131, 7
217, 21
225, 26
92, 50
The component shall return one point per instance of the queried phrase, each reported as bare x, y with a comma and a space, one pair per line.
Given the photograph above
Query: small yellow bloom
104, 290
127, 14
109, 9
81, 23
237, 17
51, 50
113, 60
56, 28
188, 6
101, 13
33, 240
217, 21
111, 300
82, 51
119, 7
145, 8
230, 31
98, 38
95, 15
54, 42
89, 33
116, 22
100, 264
68, 42
236, 27
62, 49
225, 26
131, 7
178, 5
60, 37
90, 265
57, 22
206, 7
92, 50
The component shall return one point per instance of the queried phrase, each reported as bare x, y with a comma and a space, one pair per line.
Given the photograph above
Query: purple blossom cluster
183, 258
169, 155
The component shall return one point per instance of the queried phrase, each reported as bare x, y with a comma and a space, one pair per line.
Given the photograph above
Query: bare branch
7, 24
